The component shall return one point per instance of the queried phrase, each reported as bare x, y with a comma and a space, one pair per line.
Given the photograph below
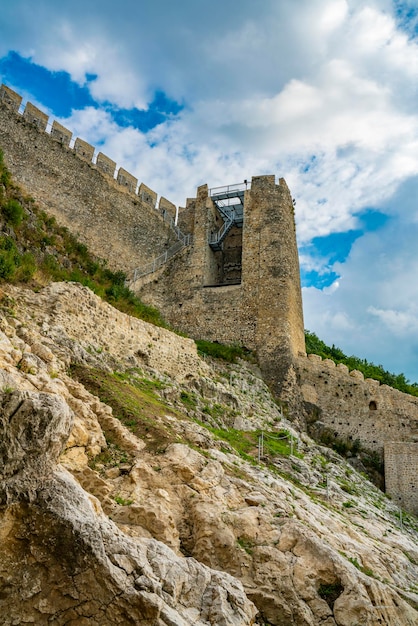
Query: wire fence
264, 436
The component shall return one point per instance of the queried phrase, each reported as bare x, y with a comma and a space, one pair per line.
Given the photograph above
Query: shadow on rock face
34, 428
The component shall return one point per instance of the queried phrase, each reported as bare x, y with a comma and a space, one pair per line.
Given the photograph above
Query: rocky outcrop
183, 530
62, 559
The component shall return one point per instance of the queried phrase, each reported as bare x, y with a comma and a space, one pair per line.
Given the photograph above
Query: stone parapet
35, 116
83, 149
10, 98
106, 165
355, 408
61, 134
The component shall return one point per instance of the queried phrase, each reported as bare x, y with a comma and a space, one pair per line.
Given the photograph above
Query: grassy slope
34, 249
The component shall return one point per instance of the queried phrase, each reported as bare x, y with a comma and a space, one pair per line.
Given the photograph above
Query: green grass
366, 570
330, 592
135, 402
246, 442
188, 399
229, 353
246, 545
122, 501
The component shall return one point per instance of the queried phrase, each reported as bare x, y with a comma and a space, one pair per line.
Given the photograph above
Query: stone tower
238, 282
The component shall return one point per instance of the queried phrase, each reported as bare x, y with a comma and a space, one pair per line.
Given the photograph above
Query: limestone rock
81, 568
130, 536
33, 431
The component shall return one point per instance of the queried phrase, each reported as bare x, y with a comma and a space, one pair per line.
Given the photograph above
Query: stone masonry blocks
92, 205
35, 116
126, 179
105, 164
166, 205
10, 98
147, 195
401, 474
84, 150
264, 311
60, 133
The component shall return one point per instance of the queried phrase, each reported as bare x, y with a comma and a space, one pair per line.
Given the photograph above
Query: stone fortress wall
383, 419
248, 293
401, 474
118, 219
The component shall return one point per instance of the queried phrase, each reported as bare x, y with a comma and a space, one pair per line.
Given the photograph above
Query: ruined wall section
351, 407
107, 215
401, 474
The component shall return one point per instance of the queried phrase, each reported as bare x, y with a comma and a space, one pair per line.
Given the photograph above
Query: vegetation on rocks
172, 460
35, 249
135, 402
217, 350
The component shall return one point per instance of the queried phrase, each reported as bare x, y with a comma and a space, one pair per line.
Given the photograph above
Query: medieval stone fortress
223, 268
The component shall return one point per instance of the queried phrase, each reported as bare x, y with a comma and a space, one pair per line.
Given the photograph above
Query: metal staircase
229, 201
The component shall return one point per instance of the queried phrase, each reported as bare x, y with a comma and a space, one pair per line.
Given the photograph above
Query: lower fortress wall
113, 221
383, 419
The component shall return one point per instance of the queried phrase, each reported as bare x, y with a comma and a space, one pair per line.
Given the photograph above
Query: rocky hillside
133, 490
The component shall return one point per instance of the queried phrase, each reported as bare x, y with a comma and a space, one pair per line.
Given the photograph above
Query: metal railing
159, 261
217, 238
229, 189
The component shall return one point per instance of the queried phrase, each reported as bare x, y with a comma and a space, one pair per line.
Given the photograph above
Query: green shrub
27, 267
7, 265
188, 399
13, 212
221, 351
9, 258
330, 592
314, 345
5, 178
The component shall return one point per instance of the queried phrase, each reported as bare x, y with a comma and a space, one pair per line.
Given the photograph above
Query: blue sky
322, 92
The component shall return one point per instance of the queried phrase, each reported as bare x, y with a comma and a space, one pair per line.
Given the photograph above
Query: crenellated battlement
343, 405
119, 217
342, 368
56, 131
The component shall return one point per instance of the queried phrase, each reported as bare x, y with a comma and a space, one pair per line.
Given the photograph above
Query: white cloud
399, 323
376, 300
333, 16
